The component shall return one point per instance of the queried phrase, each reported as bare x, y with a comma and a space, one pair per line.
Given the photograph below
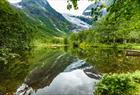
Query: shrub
118, 84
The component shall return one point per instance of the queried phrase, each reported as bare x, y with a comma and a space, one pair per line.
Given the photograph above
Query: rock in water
24, 89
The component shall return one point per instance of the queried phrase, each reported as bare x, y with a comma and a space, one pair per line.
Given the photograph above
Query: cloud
14, 1
61, 6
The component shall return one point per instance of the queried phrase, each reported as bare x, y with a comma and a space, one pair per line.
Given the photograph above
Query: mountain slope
15, 38
40, 12
15, 33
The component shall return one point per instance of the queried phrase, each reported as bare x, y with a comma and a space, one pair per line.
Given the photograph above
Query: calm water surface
49, 67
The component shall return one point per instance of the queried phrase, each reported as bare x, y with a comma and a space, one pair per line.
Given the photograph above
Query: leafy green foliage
15, 38
15, 33
15, 43
88, 36
121, 25
119, 84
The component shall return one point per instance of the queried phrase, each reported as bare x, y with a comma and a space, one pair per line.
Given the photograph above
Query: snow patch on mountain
81, 24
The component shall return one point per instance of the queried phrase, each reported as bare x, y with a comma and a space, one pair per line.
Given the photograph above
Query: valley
41, 50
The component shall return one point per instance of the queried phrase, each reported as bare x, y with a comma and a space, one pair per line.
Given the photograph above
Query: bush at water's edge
119, 84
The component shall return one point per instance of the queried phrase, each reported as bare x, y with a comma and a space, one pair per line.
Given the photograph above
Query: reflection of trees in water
50, 62
48, 67
108, 59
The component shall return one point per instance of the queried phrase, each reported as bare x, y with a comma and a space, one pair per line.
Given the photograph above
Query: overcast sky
61, 6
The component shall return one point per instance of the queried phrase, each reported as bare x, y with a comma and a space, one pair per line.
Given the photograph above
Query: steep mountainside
15, 38
40, 12
15, 33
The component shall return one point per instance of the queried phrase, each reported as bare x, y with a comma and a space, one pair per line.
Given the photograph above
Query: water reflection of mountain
104, 60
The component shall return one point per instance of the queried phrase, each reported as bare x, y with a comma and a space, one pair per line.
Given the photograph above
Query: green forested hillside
19, 32
18, 36
119, 29
42, 14
121, 25
15, 38
15, 33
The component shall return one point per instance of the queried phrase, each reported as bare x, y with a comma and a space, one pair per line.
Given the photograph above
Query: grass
116, 45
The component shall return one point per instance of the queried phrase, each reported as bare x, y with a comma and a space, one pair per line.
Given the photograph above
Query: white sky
61, 6
14, 1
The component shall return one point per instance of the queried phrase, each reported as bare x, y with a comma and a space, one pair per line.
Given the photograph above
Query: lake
48, 69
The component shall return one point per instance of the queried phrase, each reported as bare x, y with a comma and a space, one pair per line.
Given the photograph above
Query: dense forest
120, 26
